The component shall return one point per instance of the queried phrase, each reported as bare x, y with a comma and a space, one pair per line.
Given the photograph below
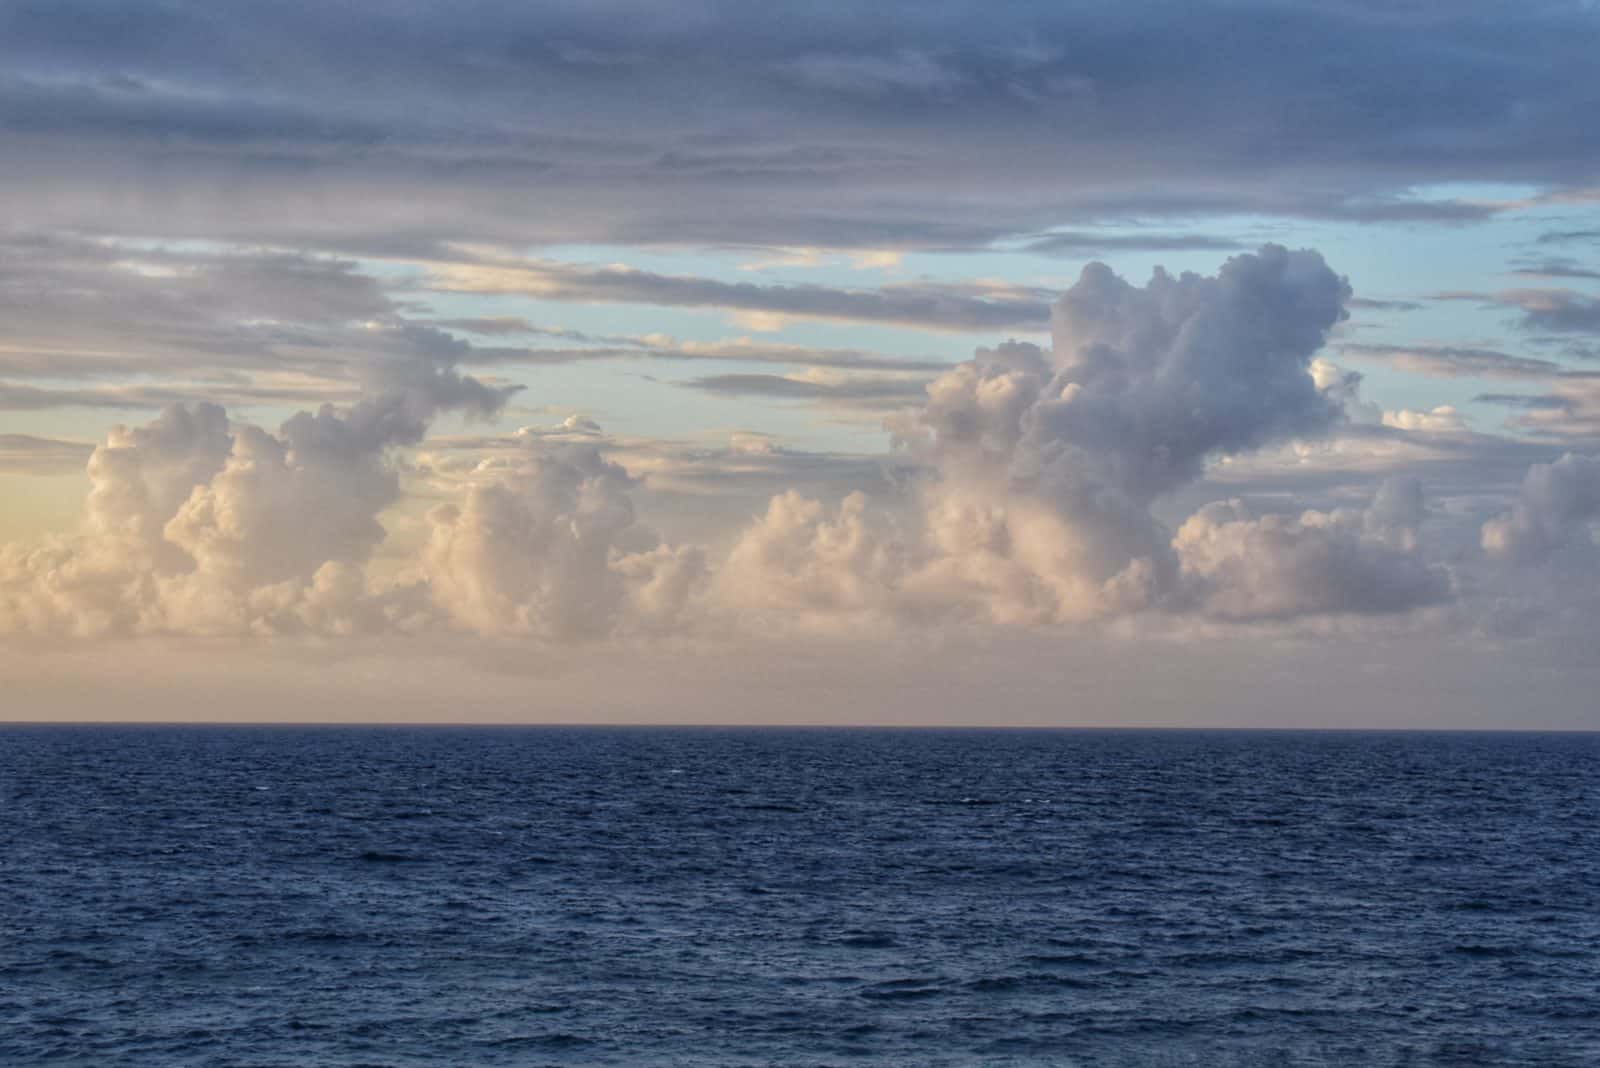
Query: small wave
1476, 950
559, 1041
1062, 960
903, 990
1021, 984
379, 856
868, 940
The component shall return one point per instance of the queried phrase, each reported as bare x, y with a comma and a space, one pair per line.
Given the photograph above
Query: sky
1049, 364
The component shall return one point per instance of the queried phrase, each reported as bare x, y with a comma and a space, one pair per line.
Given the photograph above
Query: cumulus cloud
805, 563
1143, 386
1048, 465
1036, 476
555, 551
107, 579
1555, 511
1274, 567
196, 525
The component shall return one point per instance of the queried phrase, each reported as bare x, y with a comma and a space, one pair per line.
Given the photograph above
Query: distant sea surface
551, 896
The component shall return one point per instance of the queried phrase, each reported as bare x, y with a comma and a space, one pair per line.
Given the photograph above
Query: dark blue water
274, 896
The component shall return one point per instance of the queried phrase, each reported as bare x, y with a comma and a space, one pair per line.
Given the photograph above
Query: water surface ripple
396, 896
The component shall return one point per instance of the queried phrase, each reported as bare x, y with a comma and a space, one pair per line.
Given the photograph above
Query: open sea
574, 896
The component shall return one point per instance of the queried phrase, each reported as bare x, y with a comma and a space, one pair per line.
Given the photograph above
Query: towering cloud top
1047, 466
1144, 384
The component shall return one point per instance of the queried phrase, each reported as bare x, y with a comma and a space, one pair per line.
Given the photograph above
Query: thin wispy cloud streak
923, 307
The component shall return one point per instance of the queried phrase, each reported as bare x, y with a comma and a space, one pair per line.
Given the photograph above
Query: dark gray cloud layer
717, 121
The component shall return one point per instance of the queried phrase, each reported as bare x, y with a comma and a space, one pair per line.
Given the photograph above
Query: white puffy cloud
802, 562
1443, 419
553, 550
1041, 475
283, 505
1144, 385
141, 476
107, 579
1048, 465
1343, 387
1274, 567
194, 525
1555, 511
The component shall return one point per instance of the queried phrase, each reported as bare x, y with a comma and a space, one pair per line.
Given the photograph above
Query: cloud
1562, 237
106, 581
27, 454
925, 307
861, 391
295, 124
1032, 487
748, 351
1555, 510
15, 397
1569, 411
142, 283
905, 72
1278, 567
1452, 361
194, 525
1559, 310
702, 490
804, 564
1556, 267
1048, 464
1443, 419
665, 347
128, 325
1072, 243
197, 527
555, 552
1372, 304
1524, 401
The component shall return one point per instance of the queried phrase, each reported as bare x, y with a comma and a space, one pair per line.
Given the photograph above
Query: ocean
640, 896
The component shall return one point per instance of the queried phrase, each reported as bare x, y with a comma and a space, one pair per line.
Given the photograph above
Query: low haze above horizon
1201, 364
